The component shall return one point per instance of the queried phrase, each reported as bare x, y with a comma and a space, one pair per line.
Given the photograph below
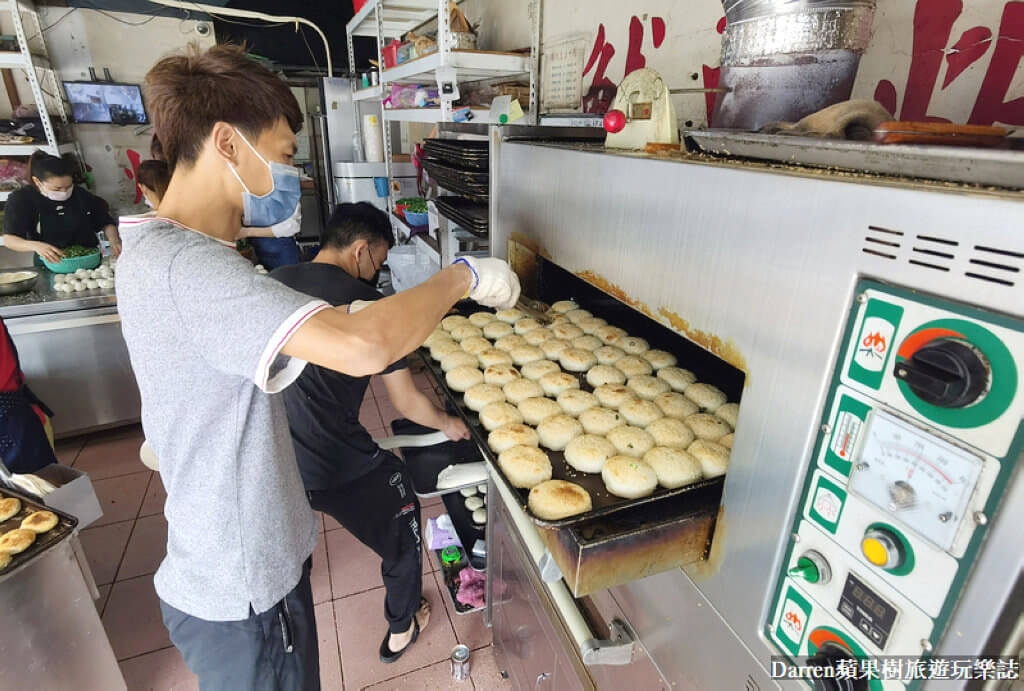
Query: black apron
24, 446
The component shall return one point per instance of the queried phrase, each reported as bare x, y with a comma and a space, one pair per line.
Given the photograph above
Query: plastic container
416, 219
390, 54
72, 264
373, 138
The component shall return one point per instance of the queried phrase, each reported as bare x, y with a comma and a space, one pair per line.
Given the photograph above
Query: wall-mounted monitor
106, 102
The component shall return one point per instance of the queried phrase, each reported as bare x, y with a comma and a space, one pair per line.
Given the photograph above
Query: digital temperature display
865, 609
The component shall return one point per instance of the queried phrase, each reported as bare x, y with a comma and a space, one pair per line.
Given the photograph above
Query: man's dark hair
188, 94
361, 221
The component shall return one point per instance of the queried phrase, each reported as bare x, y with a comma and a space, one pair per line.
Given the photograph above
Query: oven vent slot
882, 242
750, 684
931, 252
995, 265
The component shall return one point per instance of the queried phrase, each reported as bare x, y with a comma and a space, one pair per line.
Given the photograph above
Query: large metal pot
784, 59
14, 282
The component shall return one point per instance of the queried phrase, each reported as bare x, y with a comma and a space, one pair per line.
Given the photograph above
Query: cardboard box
74, 494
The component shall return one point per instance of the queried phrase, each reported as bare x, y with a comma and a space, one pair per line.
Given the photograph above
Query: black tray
474, 155
467, 531
464, 183
65, 526
450, 576
425, 462
469, 214
604, 502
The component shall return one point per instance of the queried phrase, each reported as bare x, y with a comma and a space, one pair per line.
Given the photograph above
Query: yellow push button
882, 548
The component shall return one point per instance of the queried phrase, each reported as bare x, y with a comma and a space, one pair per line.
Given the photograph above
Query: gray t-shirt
204, 331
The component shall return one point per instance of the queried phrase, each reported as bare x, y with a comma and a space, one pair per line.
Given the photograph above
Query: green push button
805, 569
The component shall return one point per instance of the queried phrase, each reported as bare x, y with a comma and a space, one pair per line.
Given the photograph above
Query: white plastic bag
410, 265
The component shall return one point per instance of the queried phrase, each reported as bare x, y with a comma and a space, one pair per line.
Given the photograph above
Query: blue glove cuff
476, 277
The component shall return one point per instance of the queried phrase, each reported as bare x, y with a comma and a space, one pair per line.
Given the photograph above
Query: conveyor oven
872, 331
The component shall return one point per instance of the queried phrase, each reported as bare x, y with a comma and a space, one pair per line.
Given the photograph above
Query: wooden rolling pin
940, 133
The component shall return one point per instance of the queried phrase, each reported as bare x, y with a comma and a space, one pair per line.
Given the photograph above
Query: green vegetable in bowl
417, 205
72, 251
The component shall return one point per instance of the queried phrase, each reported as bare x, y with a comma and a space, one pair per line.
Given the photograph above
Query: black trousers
276, 650
381, 510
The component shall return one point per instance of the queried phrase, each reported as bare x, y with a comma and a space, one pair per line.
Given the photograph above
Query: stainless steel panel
527, 643
346, 169
761, 266
52, 636
339, 118
77, 362
998, 167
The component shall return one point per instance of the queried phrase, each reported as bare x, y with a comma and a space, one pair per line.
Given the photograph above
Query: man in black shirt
346, 475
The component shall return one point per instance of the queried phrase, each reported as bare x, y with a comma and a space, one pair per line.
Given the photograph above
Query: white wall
88, 38
692, 43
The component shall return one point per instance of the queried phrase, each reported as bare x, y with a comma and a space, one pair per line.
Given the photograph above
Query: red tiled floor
320, 577
470, 628
163, 670
379, 388
484, 671
155, 497
368, 415
388, 412
132, 618
330, 523
146, 548
104, 547
101, 601
436, 677
361, 627
109, 454
67, 449
354, 566
330, 658
120, 497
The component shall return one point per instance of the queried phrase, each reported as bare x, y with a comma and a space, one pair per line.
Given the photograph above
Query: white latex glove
358, 305
289, 227
495, 284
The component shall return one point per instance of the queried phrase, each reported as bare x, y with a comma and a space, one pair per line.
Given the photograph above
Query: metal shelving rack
34, 59
390, 19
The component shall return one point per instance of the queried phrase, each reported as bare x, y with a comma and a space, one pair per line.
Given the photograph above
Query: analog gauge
921, 480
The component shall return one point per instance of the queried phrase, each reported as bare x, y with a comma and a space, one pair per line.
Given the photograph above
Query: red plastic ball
614, 121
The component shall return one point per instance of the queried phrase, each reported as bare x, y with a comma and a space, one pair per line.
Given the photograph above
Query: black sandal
387, 655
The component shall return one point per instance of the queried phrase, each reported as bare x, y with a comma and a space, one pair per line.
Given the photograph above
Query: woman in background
153, 178
52, 213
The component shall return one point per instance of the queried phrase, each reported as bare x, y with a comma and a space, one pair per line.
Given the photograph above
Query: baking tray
989, 167
425, 462
474, 155
604, 503
472, 216
475, 185
465, 528
450, 576
64, 527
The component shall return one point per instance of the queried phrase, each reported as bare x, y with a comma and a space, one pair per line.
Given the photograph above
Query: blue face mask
277, 205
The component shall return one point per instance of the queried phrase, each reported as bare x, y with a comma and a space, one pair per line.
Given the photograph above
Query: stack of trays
461, 167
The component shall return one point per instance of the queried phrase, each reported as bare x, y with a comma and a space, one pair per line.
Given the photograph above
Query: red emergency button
614, 121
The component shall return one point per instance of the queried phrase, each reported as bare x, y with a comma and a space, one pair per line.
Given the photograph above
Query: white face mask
56, 196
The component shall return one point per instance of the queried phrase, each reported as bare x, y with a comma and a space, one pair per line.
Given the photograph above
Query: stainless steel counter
74, 356
43, 299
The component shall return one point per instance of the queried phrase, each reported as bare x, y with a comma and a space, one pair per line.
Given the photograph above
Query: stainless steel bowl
11, 285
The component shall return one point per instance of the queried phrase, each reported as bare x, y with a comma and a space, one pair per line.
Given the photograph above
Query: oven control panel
921, 431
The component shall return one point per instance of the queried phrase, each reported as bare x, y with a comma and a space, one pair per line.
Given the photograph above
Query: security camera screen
117, 104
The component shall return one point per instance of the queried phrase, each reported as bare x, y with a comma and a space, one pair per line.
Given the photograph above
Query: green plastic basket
69, 265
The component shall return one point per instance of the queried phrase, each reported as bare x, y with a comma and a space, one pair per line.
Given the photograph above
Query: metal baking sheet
988, 167
425, 462
604, 503
44, 541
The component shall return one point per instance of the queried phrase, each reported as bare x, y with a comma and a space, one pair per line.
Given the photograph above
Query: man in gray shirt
210, 342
